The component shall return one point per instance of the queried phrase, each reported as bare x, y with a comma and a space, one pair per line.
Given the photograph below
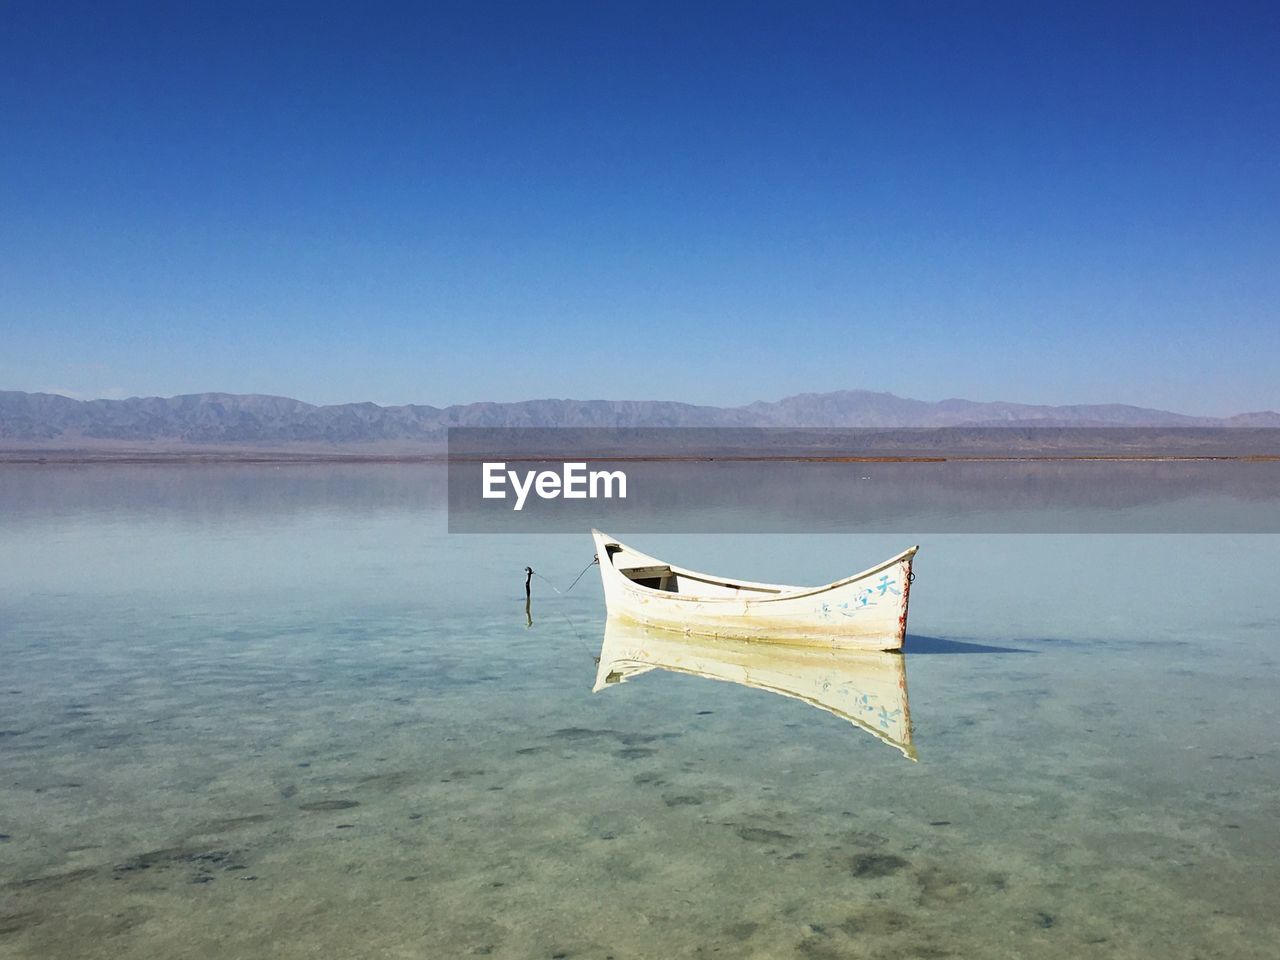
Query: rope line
567, 619
593, 562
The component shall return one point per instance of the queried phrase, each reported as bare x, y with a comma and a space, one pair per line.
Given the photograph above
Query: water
259, 711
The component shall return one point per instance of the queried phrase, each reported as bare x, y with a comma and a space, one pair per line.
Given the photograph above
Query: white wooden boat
866, 687
865, 611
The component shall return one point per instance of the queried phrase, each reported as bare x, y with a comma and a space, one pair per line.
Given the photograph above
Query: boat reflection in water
868, 688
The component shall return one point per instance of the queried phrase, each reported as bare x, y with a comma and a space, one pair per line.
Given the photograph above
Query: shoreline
83, 458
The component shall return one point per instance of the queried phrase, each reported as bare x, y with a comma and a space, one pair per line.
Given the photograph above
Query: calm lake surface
277, 711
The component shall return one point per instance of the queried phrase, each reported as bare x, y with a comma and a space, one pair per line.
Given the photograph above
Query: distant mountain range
211, 420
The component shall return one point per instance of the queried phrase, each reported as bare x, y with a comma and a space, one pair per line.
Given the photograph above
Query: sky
709, 202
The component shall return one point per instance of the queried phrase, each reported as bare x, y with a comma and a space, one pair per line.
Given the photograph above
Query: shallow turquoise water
251, 711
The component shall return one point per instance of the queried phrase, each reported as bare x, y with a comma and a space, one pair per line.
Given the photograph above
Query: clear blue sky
705, 202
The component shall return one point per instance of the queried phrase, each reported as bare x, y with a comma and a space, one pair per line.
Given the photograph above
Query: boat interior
643, 572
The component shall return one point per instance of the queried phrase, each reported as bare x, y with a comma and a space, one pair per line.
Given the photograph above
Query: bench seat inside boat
656, 577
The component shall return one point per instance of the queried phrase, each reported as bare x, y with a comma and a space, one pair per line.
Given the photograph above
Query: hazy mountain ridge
221, 418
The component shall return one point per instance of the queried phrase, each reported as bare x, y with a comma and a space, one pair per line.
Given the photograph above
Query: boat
868, 688
866, 611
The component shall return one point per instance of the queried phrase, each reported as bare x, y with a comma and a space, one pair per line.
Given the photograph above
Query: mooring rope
567, 619
594, 561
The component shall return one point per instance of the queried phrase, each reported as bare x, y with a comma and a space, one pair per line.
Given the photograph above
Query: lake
260, 710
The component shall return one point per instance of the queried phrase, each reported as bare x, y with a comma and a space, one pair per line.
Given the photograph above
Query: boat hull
866, 611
